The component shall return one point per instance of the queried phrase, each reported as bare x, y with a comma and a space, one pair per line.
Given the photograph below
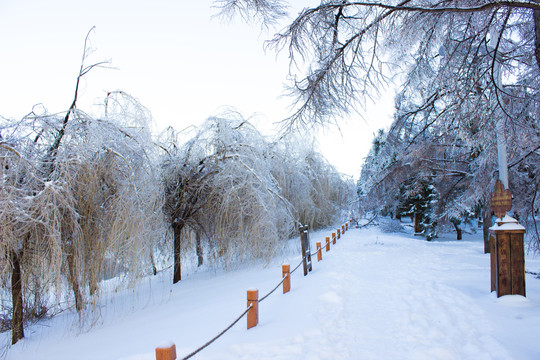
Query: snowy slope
374, 296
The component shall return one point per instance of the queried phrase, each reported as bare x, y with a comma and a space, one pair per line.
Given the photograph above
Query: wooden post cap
166, 352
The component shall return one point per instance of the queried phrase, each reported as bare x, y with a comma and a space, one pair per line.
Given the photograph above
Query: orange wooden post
338, 231
333, 238
346, 226
343, 229
327, 243
253, 313
286, 273
166, 352
319, 251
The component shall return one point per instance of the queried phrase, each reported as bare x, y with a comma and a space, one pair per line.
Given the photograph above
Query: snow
507, 226
375, 295
507, 223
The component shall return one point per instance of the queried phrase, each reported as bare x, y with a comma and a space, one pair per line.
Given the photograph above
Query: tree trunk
485, 227
199, 248
536, 16
177, 230
74, 282
458, 229
153, 261
17, 324
417, 218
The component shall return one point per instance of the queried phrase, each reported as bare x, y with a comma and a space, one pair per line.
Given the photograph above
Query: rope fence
168, 352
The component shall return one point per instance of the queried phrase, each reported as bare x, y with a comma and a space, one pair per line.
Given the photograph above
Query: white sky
181, 63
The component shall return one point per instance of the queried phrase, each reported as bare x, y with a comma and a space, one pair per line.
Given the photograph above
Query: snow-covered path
374, 296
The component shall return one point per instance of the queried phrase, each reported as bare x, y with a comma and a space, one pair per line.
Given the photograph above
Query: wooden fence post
346, 226
327, 243
253, 313
343, 229
286, 273
338, 232
319, 252
166, 352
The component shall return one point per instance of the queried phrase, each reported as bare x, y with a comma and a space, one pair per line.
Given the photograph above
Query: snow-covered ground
375, 295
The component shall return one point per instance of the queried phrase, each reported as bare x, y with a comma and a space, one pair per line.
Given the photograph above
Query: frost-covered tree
242, 194
345, 50
78, 203
187, 172
472, 70
317, 191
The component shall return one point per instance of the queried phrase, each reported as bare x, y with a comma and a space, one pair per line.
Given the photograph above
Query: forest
88, 197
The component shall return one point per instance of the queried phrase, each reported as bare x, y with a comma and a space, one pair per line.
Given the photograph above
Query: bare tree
350, 48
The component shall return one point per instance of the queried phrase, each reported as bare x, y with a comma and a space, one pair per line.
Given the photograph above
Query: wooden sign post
506, 247
306, 250
501, 202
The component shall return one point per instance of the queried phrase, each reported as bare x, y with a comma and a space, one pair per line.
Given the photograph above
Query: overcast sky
182, 63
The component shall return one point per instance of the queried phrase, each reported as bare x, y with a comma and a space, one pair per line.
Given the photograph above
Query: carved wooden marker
501, 201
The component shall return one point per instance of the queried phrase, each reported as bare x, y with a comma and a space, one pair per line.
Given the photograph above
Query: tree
242, 194
30, 192
350, 46
187, 173
76, 200
470, 70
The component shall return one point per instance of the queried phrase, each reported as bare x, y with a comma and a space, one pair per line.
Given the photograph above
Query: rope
274, 289
246, 311
219, 335
297, 266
